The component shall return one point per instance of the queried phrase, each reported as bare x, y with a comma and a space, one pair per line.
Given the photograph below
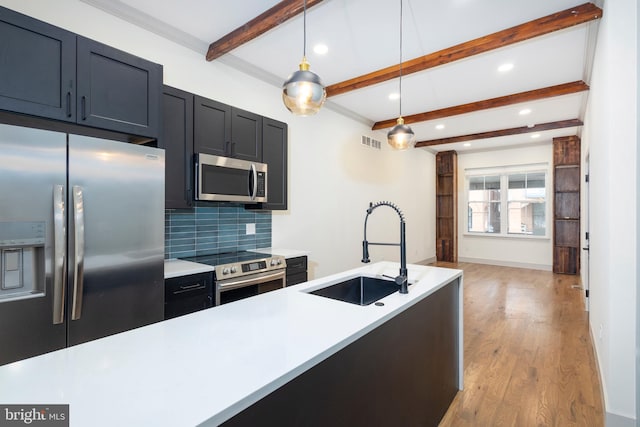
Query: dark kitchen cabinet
116, 90
52, 73
177, 141
274, 154
211, 127
296, 270
37, 67
187, 294
223, 130
566, 205
246, 135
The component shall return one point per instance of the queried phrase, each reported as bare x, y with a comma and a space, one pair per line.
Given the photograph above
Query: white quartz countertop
205, 367
177, 267
287, 253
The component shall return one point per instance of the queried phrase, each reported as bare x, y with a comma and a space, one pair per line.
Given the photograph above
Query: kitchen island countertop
207, 366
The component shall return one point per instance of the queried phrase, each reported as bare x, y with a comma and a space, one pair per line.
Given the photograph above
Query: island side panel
404, 372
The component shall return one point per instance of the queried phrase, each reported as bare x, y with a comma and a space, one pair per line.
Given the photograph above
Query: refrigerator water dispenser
21, 260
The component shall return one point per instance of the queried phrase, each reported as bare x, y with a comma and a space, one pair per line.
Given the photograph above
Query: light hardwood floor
528, 358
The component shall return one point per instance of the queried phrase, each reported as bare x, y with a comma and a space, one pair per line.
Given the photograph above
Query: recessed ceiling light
467, 144
525, 111
321, 49
505, 67
440, 126
535, 135
394, 96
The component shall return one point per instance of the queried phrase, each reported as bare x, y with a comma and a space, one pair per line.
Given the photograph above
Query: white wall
332, 178
610, 136
511, 251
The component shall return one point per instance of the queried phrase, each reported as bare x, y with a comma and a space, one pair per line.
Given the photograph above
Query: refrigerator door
116, 237
32, 242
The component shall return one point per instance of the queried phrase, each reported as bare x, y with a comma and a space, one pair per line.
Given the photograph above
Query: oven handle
226, 285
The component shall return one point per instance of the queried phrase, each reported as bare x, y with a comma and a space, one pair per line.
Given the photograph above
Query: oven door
243, 287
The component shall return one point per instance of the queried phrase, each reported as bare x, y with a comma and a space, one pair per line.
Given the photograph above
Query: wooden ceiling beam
259, 25
538, 27
503, 132
502, 101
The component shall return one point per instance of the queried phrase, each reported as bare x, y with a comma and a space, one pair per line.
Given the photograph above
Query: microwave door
230, 180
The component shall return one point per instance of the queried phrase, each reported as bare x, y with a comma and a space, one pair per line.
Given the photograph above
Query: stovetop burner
228, 258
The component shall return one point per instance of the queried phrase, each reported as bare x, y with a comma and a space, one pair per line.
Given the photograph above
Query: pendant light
401, 136
303, 92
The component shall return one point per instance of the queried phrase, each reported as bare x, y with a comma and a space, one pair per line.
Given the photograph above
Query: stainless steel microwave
224, 179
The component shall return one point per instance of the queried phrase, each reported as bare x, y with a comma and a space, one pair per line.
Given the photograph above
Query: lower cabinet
187, 294
405, 372
296, 270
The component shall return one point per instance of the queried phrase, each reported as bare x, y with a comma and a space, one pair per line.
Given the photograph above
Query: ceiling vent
371, 143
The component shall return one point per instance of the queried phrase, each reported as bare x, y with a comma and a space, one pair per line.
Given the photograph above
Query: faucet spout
402, 278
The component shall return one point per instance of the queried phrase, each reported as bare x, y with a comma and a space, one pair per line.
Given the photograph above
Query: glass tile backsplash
214, 228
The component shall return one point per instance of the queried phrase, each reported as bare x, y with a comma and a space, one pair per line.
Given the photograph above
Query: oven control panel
245, 268
250, 267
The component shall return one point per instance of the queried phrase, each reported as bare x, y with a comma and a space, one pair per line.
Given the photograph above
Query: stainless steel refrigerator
81, 239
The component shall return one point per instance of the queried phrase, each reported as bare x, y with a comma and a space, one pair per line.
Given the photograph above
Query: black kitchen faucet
401, 280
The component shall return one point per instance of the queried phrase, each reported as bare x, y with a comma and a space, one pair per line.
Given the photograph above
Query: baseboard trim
615, 420
531, 266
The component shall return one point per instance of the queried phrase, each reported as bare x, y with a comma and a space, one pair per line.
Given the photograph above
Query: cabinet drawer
294, 279
186, 294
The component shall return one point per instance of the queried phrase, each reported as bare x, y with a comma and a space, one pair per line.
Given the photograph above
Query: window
484, 204
526, 199
520, 193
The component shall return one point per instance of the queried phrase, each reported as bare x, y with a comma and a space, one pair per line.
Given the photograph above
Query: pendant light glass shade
401, 136
303, 92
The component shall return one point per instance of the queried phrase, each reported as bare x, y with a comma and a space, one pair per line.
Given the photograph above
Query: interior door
33, 170
116, 237
585, 247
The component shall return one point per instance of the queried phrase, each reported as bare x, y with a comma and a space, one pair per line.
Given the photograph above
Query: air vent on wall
370, 142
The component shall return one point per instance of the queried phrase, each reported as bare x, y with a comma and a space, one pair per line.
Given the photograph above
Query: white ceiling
363, 36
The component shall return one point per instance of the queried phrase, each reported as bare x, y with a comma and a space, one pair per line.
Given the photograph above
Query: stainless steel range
243, 274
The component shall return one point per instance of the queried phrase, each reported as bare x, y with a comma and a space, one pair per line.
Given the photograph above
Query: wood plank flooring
528, 355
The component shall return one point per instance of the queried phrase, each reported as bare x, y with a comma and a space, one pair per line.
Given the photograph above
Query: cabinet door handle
69, 104
83, 107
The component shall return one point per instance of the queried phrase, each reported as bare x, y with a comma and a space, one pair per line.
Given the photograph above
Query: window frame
504, 173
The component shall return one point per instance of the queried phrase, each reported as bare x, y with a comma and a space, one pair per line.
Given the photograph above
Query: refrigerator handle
78, 263
59, 246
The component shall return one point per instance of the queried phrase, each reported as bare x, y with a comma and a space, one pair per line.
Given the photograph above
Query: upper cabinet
52, 73
223, 130
37, 67
274, 154
116, 90
177, 141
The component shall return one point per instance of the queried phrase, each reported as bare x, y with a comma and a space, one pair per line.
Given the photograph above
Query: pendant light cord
400, 81
304, 26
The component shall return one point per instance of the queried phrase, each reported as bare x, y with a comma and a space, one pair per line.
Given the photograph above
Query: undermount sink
359, 290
